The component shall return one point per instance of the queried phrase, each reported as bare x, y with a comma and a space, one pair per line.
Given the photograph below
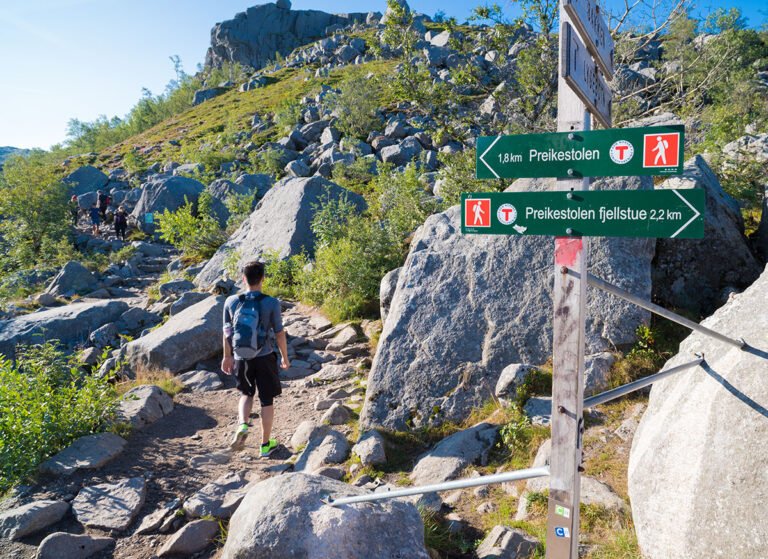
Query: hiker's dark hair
254, 272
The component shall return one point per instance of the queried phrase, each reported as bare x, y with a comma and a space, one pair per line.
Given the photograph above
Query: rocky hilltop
254, 37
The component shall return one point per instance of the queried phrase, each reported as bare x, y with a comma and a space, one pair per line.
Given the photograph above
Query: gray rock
143, 405
87, 200
219, 498
441, 39
85, 179
303, 432
685, 273
458, 316
136, 319
202, 95
539, 410
61, 545
201, 381
188, 169
153, 521
453, 454
110, 506
371, 449
504, 542
148, 249
281, 223
337, 414
175, 287
512, 376
259, 183
187, 338
403, 153
72, 279
253, 37
387, 291
105, 336
596, 370
187, 300
193, 537
86, 453
163, 192
325, 447
298, 168
69, 324
332, 373
348, 335
306, 527
698, 457
28, 519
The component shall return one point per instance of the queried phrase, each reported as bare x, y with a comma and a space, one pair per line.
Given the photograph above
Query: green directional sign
599, 213
617, 152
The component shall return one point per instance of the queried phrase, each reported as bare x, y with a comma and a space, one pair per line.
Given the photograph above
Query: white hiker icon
478, 211
661, 148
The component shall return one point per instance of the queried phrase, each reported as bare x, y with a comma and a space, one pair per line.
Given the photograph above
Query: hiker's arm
228, 361
282, 344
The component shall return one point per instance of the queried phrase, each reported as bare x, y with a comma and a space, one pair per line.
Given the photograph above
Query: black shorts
259, 373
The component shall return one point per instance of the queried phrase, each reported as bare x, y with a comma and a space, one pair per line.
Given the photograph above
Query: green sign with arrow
616, 152
674, 214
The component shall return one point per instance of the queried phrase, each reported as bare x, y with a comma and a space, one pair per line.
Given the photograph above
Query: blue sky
67, 59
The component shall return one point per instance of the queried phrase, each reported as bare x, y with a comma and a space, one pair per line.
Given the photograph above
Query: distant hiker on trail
95, 218
74, 209
121, 223
104, 201
252, 326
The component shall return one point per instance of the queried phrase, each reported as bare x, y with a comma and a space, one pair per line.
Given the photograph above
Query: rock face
253, 37
110, 506
691, 273
72, 279
30, 518
70, 324
165, 192
281, 223
465, 307
86, 453
191, 336
698, 457
284, 517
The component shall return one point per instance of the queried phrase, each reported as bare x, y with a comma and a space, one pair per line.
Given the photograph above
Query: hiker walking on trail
104, 200
253, 326
121, 223
95, 215
74, 209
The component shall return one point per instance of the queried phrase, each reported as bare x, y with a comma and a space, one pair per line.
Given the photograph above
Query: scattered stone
345, 337
175, 288
330, 472
325, 446
110, 506
453, 454
219, 498
143, 405
309, 528
337, 414
86, 453
512, 376
153, 521
72, 279
136, 319
46, 299
201, 381
539, 409
192, 538
27, 519
303, 432
332, 373
61, 545
371, 449
504, 542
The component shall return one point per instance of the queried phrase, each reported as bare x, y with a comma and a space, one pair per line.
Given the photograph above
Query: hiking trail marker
620, 152
673, 214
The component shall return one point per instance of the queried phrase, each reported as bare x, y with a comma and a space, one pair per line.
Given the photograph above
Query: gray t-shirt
269, 314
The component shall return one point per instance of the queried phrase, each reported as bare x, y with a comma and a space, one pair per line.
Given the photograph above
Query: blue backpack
249, 335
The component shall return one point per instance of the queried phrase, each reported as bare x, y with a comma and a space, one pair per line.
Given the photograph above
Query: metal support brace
446, 486
609, 395
594, 281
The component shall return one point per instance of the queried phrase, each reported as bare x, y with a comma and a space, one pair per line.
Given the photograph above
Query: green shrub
288, 116
268, 161
356, 106
195, 233
356, 176
45, 404
282, 276
239, 207
399, 201
331, 220
457, 174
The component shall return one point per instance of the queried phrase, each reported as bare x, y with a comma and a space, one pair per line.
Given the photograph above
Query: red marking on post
567, 250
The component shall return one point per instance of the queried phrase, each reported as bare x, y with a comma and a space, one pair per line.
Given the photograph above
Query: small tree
196, 234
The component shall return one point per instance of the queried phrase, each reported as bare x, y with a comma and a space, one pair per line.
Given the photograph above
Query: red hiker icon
661, 150
477, 212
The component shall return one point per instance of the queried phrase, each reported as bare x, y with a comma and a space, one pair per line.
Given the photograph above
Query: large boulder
281, 222
165, 192
691, 273
72, 279
187, 338
285, 517
465, 307
253, 37
86, 179
698, 457
69, 324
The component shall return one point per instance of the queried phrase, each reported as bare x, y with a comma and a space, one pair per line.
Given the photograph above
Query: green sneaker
238, 440
268, 448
